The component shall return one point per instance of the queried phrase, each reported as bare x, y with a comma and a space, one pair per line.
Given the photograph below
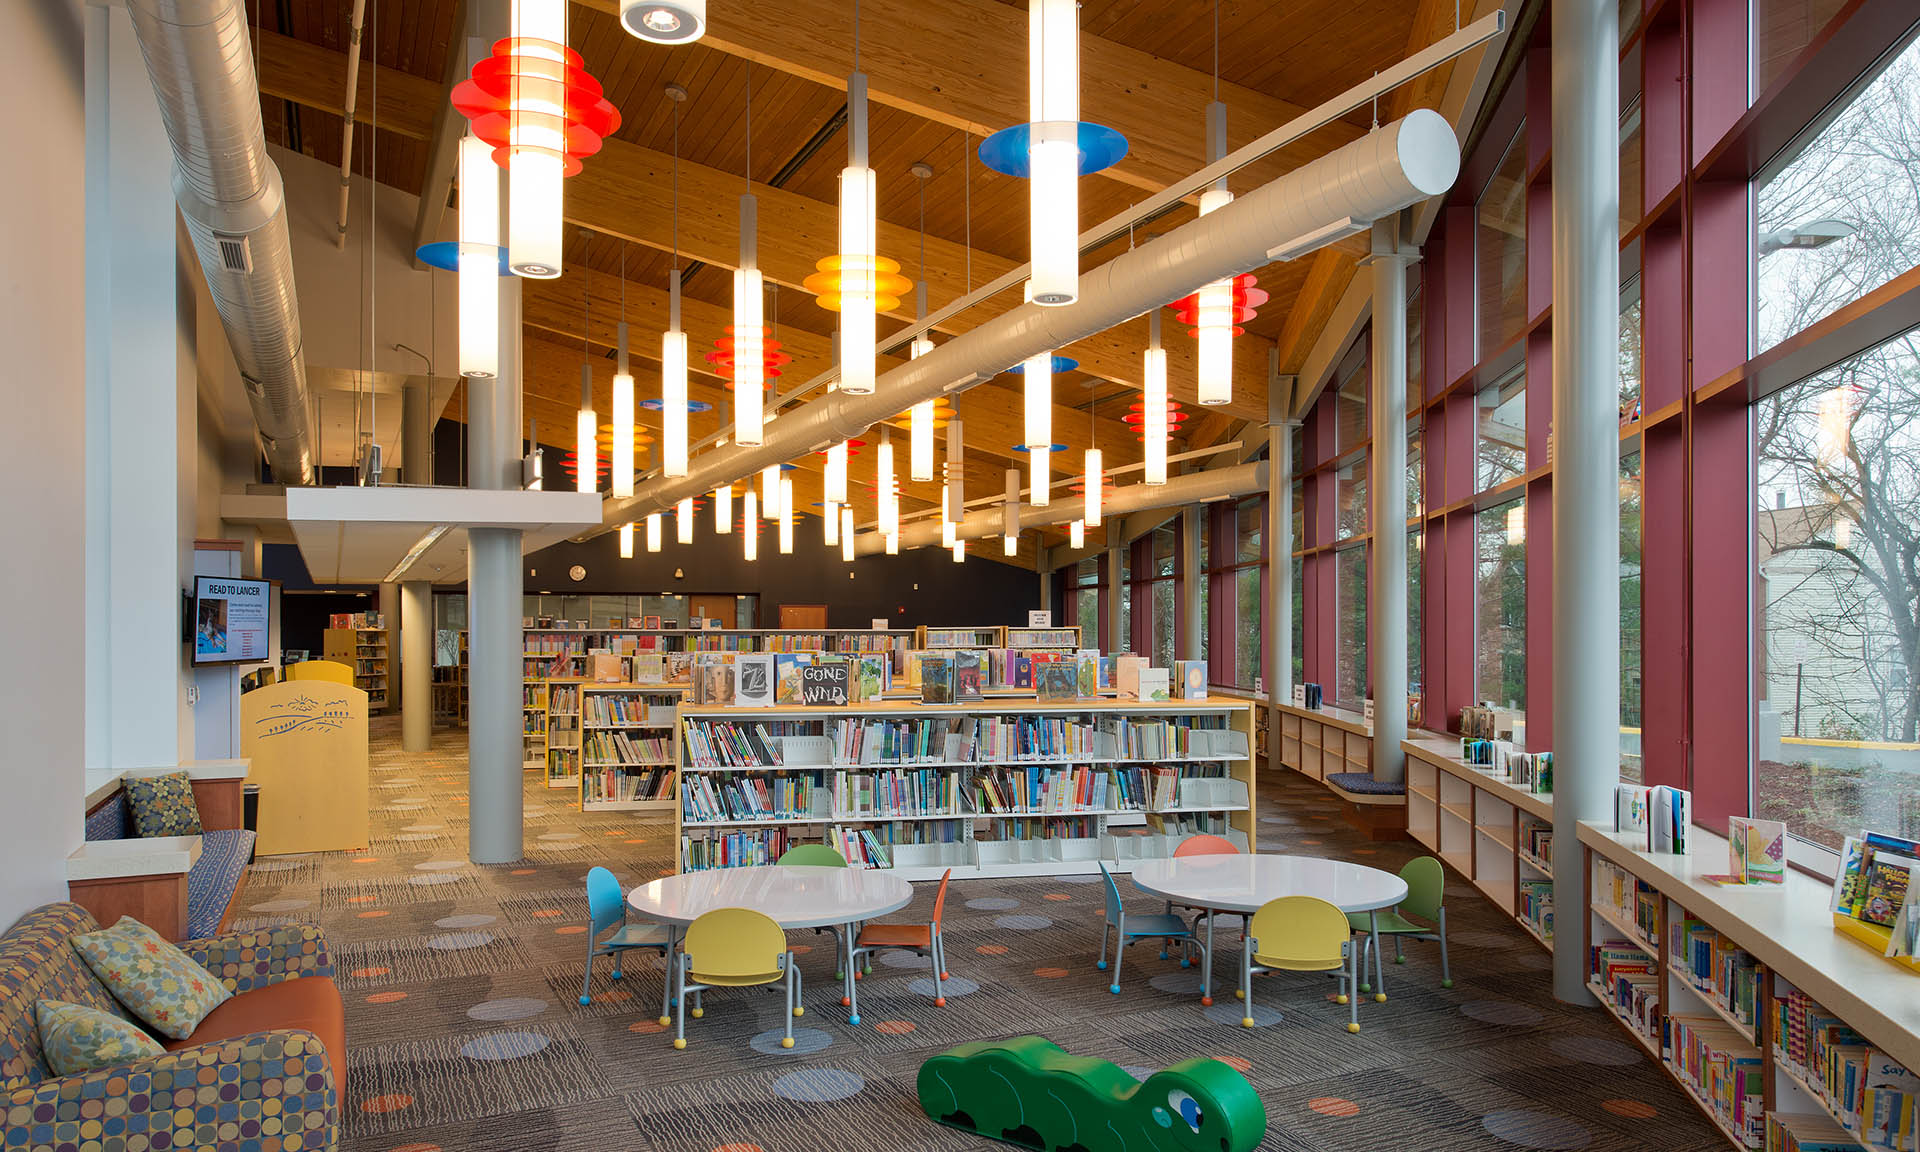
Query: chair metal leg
666, 979
1246, 984
940, 946
1119, 952
851, 990
1446, 973
1106, 926
586, 982
1206, 968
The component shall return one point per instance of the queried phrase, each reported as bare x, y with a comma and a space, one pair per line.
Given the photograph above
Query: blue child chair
1163, 926
607, 907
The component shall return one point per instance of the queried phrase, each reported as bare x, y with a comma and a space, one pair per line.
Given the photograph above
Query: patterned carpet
462, 987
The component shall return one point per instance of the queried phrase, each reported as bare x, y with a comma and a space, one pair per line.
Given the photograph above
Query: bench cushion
111, 821
212, 880
311, 1002
1364, 784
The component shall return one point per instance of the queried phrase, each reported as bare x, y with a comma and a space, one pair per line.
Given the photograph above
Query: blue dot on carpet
439, 865
1535, 1129
1503, 1012
504, 1045
992, 903
900, 958
806, 1041
1021, 922
1235, 1011
459, 941
952, 986
818, 1085
427, 878
465, 920
1595, 1050
507, 1008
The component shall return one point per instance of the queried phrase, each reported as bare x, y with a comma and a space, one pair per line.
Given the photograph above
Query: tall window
1630, 741
1500, 249
1837, 472
1350, 494
1237, 562
1350, 399
1629, 353
1500, 604
1298, 645
1085, 599
1156, 561
1416, 615
1350, 683
1502, 454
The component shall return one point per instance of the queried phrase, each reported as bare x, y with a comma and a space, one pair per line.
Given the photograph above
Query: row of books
1535, 898
620, 748
861, 847
1537, 841
545, 644
770, 679
1653, 819
1486, 722
709, 798
1628, 979
564, 698
1875, 1097
629, 709
1628, 898
1876, 887
563, 761
621, 784
737, 849
1717, 967
731, 744
1724, 1070
356, 620
901, 792
1791, 1132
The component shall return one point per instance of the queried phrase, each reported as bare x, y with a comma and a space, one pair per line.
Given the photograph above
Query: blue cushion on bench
1364, 784
214, 877
111, 821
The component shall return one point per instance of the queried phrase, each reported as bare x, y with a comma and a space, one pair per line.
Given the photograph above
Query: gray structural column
1387, 567
1279, 607
416, 665
494, 570
1190, 636
1586, 455
1119, 639
416, 431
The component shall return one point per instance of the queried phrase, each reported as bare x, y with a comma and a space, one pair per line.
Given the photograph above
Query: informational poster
1039, 618
230, 619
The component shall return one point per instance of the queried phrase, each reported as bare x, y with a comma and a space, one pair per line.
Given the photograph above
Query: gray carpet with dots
462, 987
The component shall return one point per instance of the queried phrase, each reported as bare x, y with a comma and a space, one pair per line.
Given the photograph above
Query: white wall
42, 445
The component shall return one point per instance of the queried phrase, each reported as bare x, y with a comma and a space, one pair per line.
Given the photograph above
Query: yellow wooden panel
328, 670
308, 743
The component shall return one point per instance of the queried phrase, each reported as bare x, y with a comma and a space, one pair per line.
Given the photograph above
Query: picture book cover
1106, 671
649, 667
873, 679
653, 623
753, 679
1905, 941
1671, 816
1153, 684
1086, 663
1056, 680
1022, 671
1192, 680
1885, 890
969, 674
787, 676
679, 667
936, 680
1126, 675
1630, 810
1757, 850
713, 679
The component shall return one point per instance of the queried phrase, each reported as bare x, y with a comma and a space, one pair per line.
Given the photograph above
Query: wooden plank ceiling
941, 75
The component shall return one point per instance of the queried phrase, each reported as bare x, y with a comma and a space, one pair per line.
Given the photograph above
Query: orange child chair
920, 939
1202, 844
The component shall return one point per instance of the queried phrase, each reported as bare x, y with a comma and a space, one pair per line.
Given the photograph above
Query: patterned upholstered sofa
211, 883
263, 1070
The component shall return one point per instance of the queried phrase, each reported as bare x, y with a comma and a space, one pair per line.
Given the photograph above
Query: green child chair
607, 908
733, 948
1301, 934
1162, 926
817, 856
1426, 894
920, 939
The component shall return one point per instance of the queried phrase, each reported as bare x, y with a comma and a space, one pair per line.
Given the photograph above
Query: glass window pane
1165, 547
1416, 474
1500, 250
1350, 493
1838, 477
1298, 502
1416, 654
1416, 336
1248, 634
1163, 623
1629, 357
1350, 629
1251, 520
1781, 28
1299, 643
1630, 643
1350, 399
1503, 430
1630, 171
1843, 216
1500, 606
1086, 605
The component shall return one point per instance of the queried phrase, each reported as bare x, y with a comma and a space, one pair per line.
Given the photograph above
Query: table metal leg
666, 993
1206, 964
852, 989
1379, 976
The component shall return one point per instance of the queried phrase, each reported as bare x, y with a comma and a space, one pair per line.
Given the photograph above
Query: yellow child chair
1301, 934
920, 939
733, 948
1426, 898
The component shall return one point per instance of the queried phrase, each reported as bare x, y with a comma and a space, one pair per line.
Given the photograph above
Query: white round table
1242, 882
793, 897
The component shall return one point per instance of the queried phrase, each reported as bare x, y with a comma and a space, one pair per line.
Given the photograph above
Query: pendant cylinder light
537, 139
1214, 307
1053, 95
586, 451
859, 248
830, 525
626, 540
1077, 534
1096, 473
1010, 545
1010, 514
846, 534
893, 543
683, 520
621, 453
920, 425
723, 509
1154, 426
673, 388
653, 531
786, 515
883, 480
1037, 372
770, 491
750, 528
836, 477
959, 551
1040, 477
956, 468
946, 520
479, 260
749, 366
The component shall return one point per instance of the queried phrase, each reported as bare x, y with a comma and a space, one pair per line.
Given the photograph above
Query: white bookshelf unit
1751, 974
627, 736
974, 801
1492, 831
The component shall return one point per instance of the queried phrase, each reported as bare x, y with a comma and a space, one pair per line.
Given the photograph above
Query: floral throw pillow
163, 805
154, 980
75, 1038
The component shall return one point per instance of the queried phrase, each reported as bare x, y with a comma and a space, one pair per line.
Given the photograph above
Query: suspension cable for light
673, 342
626, 540
750, 527
1054, 150
1096, 470
540, 110
723, 509
683, 520
1154, 378
479, 260
653, 531
786, 515
846, 534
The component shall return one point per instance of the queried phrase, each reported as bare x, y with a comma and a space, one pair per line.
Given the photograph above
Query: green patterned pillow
75, 1038
154, 980
163, 805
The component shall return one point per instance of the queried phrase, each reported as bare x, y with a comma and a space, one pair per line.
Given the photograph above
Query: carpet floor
465, 1031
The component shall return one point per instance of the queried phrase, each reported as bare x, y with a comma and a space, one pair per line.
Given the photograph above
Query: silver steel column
416, 431
1586, 456
1118, 637
1191, 635
415, 646
1279, 607
1387, 567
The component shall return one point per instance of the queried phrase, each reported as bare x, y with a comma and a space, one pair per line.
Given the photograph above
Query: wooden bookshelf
950, 827
1485, 827
627, 761
1063, 638
986, 636
450, 689
1324, 742
365, 651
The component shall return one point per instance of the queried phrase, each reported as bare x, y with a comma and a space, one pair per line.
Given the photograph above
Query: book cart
991, 788
1746, 995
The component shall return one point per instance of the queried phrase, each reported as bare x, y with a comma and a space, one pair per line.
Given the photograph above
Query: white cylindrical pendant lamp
621, 449
723, 509
1153, 403
1213, 323
1077, 534
673, 388
479, 277
653, 531
1096, 475
749, 333
770, 491
586, 450
683, 520
830, 525
626, 540
836, 476
750, 527
920, 424
1053, 97
537, 142
786, 515
846, 534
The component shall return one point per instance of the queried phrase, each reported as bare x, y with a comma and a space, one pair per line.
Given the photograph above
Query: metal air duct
1379, 174
229, 193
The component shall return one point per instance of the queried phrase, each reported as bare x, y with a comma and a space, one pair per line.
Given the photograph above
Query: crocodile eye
1187, 1108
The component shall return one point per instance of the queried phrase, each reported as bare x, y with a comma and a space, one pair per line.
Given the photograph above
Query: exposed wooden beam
1327, 278
315, 77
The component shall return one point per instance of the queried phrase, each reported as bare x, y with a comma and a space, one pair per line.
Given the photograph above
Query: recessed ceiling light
665, 21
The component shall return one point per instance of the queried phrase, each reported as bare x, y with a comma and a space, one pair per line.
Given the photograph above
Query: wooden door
803, 615
721, 608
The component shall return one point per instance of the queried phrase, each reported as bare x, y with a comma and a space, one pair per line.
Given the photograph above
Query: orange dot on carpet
611, 832
391, 1102
739, 1148
366, 859
1237, 1063
386, 997
1311, 843
799, 948
521, 872
1365, 851
1056, 896
374, 915
1050, 973
646, 1026
362, 899
418, 1148
894, 1027
570, 930
1333, 1106
639, 840
369, 973
992, 949
547, 913
1631, 1109
616, 995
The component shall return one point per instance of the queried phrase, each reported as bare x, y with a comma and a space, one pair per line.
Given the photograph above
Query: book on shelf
1631, 810
1669, 817
1126, 674
1315, 697
1086, 671
873, 675
786, 676
1056, 681
624, 785
1191, 680
713, 678
753, 679
1756, 851
604, 668
1019, 670
936, 679
1716, 967
1724, 1070
740, 848
1807, 1132
679, 667
707, 798
1883, 892
1152, 684
969, 674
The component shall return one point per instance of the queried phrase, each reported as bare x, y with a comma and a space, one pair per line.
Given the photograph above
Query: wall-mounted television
232, 620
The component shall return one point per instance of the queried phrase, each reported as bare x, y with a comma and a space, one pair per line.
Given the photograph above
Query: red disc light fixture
1136, 418
724, 358
535, 103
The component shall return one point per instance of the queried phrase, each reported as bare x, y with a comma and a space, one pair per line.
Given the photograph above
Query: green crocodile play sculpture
1028, 1091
